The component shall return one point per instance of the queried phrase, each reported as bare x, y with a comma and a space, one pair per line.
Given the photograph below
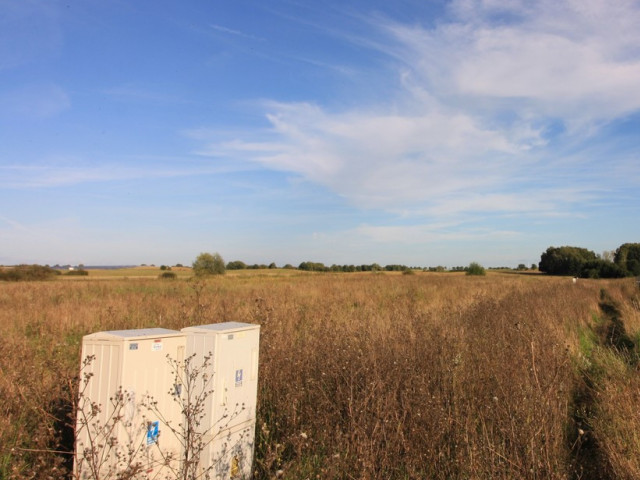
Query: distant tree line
310, 266
240, 265
580, 262
27, 273
566, 260
374, 267
23, 272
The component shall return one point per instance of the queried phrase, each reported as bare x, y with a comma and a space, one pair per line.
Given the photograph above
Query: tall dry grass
362, 376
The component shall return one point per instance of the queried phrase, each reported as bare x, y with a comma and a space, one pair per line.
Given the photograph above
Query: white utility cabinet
123, 371
230, 410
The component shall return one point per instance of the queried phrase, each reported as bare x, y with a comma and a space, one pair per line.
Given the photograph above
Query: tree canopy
208, 264
565, 260
580, 262
627, 256
475, 268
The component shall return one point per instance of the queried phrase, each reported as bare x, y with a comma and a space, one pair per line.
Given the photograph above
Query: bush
313, 267
168, 276
476, 269
208, 264
80, 272
236, 265
27, 273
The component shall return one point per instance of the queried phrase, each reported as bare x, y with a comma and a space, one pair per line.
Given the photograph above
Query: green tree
236, 265
565, 260
208, 264
313, 267
602, 269
27, 272
475, 268
627, 256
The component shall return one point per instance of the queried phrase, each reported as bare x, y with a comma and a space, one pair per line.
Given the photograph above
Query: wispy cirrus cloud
436, 232
577, 61
480, 101
52, 173
234, 32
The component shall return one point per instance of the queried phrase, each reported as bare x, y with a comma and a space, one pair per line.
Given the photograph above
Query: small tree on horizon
208, 264
475, 268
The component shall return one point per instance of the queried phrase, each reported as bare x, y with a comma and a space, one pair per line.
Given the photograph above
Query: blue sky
416, 132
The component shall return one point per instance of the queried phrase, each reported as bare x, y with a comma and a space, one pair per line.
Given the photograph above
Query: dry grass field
362, 376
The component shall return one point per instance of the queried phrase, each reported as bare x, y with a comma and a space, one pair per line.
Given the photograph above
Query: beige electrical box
230, 353
128, 415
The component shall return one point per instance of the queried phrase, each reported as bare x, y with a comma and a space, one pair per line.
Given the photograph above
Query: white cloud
480, 102
413, 234
575, 60
377, 159
60, 172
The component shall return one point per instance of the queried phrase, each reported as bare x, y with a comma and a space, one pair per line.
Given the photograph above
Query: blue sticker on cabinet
153, 430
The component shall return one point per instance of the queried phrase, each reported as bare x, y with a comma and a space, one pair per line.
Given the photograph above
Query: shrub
80, 272
208, 264
168, 276
27, 272
313, 267
236, 265
475, 268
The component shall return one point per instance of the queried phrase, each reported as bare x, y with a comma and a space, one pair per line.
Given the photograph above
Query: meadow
362, 375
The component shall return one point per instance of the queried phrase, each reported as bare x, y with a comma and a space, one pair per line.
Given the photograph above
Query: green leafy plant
208, 264
476, 269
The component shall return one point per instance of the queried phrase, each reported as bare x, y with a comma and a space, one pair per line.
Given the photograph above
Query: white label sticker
157, 345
